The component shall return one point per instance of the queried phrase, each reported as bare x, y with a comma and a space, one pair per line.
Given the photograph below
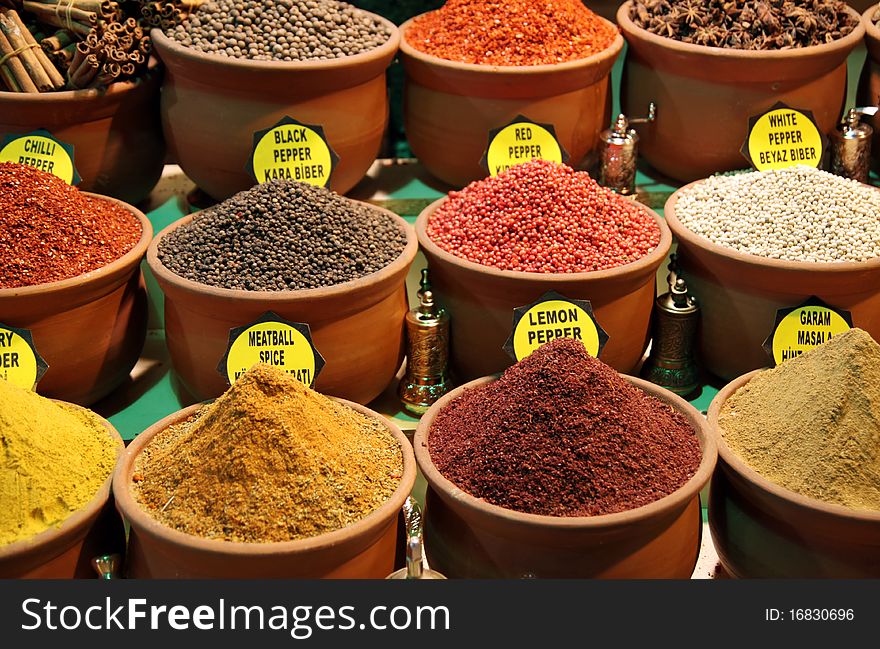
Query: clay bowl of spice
705, 94
115, 132
56, 513
470, 70
573, 472
303, 253
329, 74
272, 480
869, 82
795, 493
755, 243
505, 221
75, 283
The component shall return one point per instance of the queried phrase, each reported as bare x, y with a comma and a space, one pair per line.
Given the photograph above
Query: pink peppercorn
543, 217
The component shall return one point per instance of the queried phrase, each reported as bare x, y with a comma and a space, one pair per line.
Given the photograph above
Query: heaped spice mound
283, 235
270, 460
543, 217
562, 434
280, 30
511, 32
812, 424
746, 24
50, 231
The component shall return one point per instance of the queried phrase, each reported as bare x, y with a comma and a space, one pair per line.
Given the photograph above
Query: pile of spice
562, 434
54, 458
283, 235
746, 25
511, 32
48, 45
50, 231
543, 217
270, 460
812, 424
796, 214
280, 30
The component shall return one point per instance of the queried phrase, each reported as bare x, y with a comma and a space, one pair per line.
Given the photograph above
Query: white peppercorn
796, 214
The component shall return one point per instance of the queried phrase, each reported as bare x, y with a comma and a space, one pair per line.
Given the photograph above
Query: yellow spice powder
53, 460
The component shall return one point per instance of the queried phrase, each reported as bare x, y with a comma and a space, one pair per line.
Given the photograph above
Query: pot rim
387, 49
400, 263
130, 258
682, 233
756, 479
676, 500
872, 31
83, 94
143, 522
644, 264
89, 510
846, 43
596, 59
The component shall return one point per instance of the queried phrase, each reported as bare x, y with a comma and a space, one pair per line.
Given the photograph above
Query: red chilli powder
511, 32
50, 231
562, 434
543, 217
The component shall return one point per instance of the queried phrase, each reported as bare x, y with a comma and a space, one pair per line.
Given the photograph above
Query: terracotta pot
116, 134
450, 107
763, 530
705, 95
739, 295
90, 329
348, 97
365, 549
869, 82
66, 551
468, 537
357, 326
481, 300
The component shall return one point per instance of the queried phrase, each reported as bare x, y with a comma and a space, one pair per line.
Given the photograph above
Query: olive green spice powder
270, 460
812, 424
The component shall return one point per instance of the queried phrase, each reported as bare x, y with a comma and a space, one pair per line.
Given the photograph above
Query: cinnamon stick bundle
38, 66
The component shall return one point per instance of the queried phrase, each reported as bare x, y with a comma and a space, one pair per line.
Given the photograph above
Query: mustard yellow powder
53, 460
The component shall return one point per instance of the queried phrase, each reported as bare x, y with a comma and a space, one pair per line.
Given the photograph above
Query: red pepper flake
562, 434
543, 217
511, 32
50, 231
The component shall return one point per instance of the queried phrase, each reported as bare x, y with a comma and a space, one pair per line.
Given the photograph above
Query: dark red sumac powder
562, 434
543, 217
51, 231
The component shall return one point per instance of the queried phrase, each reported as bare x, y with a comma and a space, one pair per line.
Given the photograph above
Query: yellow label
550, 320
804, 328
18, 362
40, 152
294, 152
273, 343
521, 142
783, 138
